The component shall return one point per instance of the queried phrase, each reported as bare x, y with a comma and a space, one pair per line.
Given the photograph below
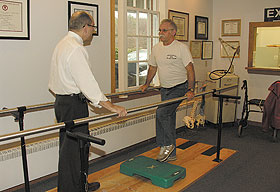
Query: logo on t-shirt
171, 57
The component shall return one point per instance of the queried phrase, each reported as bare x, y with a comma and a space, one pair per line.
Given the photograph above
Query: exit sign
272, 14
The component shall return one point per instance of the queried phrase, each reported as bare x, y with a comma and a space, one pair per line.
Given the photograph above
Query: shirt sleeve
152, 59
186, 55
83, 77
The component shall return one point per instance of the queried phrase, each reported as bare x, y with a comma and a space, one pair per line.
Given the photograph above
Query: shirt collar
173, 42
76, 36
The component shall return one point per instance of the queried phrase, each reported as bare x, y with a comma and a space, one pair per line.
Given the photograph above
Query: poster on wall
91, 9
14, 19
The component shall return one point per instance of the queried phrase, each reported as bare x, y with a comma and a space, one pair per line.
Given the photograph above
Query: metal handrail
99, 117
44, 106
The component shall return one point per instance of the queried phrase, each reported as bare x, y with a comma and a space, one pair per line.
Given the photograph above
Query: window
136, 32
264, 48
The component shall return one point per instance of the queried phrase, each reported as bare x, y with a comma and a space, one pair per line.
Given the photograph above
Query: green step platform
160, 173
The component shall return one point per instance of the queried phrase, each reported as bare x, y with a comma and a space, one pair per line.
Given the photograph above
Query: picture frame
92, 9
228, 48
196, 49
201, 27
231, 27
181, 19
207, 50
15, 19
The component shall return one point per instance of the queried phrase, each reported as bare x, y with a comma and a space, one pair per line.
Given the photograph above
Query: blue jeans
166, 115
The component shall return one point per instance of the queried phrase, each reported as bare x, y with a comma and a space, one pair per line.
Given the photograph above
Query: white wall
25, 71
25, 64
247, 11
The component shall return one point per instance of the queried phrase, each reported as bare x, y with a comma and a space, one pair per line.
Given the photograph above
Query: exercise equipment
19, 113
161, 174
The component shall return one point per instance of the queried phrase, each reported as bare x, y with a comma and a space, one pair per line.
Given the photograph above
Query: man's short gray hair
78, 20
173, 25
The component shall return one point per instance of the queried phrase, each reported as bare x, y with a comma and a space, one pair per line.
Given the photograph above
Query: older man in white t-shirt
174, 64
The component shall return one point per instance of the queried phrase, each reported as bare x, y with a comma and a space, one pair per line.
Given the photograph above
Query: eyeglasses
164, 30
94, 27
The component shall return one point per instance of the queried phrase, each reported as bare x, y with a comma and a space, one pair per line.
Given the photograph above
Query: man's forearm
191, 76
151, 73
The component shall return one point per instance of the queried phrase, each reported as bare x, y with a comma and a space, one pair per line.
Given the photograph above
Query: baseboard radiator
15, 152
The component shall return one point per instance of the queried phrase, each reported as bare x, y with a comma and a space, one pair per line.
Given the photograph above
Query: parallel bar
99, 117
44, 106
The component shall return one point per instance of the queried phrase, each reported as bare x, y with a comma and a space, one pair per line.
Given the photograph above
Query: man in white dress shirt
73, 83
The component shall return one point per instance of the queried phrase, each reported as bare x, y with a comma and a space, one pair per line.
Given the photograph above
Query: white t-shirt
171, 61
70, 72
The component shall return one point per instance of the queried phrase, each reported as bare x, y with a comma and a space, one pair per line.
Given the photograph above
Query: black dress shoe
93, 186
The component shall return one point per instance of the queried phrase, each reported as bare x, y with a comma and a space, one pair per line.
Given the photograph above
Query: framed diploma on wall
195, 48
231, 27
201, 27
207, 50
15, 19
182, 21
92, 9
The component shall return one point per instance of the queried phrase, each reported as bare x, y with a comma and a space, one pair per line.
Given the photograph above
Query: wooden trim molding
264, 71
113, 75
148, 93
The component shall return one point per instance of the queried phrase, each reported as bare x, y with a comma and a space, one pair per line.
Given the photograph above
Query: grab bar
99, 117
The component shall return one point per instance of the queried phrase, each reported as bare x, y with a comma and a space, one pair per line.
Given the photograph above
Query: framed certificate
182, 21
92, 9
195, 48
207, 50
14, 19
231, 27
228, 49
201, 27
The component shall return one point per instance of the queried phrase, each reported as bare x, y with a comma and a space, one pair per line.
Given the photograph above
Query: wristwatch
192, 90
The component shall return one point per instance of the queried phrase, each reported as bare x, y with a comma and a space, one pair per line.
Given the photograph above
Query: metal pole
219, 137
23, 150
99, 117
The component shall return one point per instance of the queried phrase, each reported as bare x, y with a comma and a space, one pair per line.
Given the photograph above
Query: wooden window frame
252, 47
113, 75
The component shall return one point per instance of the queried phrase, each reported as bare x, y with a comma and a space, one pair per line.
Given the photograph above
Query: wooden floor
196, 164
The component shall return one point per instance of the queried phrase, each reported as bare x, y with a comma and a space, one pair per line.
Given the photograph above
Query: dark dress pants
69, 108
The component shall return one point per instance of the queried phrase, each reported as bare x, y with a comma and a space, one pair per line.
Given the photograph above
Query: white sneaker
160, 153
173, 158
167, 150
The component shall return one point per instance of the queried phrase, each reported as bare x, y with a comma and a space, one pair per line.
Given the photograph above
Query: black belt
176, 85
79, 95
69, 95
